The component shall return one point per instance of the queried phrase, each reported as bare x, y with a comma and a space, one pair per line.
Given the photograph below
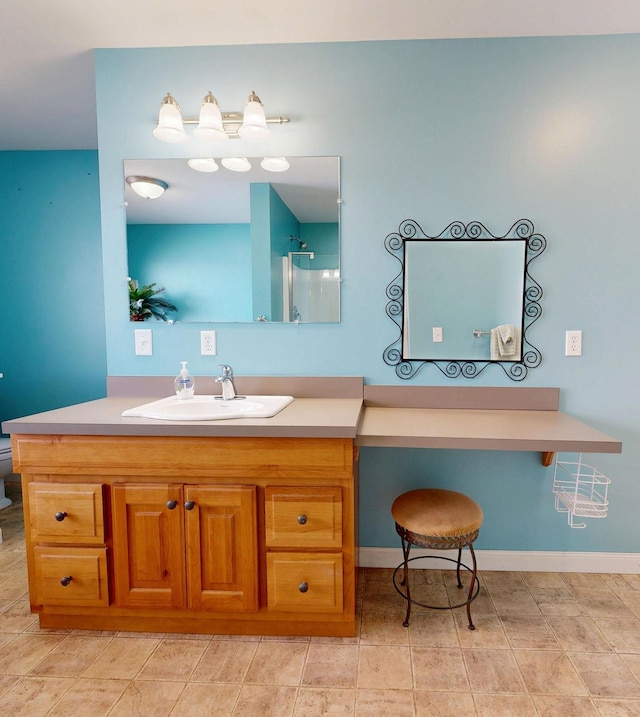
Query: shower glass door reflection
312, 290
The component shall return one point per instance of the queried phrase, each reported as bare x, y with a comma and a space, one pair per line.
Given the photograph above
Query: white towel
505, 343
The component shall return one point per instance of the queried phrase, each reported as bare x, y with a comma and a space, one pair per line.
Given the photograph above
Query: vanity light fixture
203, 164
254, 122
238, 164
170, 128
213, 124
210, 128
275, 164
147, 187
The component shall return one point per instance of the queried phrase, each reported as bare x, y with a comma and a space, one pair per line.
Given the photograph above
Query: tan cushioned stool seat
436, 512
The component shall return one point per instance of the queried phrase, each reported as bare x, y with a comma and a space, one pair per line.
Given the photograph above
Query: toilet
6, 469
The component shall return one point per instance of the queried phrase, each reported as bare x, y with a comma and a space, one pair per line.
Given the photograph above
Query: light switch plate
144, 342
437, 334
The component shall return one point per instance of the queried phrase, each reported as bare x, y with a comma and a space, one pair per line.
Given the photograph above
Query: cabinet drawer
304, 582
71, 576
66, 513
303, 517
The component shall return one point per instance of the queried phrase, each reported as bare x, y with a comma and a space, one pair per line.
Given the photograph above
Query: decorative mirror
464, 299
238, 246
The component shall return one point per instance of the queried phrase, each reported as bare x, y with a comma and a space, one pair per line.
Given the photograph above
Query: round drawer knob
60, 517
303, 587
302, 519
189, 505
66, 581
172, 504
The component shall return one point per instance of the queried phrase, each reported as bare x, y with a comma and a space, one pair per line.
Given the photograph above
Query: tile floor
546, 644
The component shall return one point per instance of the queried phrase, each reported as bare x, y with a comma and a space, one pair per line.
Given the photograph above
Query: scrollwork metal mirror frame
531, 357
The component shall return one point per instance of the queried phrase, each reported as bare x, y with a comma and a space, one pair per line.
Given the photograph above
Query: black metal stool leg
406, 548
474, 573
458, 567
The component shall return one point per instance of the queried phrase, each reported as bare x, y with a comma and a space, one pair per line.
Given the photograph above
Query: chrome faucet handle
226, 379
227, 371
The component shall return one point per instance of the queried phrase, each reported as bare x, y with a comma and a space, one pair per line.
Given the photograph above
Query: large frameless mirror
464, 299
239, 246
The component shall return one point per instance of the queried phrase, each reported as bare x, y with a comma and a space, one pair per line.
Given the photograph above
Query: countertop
304, 418
501, 419
488, 429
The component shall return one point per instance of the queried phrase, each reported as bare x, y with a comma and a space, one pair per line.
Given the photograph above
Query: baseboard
515, 560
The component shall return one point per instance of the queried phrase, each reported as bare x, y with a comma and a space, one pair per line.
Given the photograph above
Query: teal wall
283, 224
493, 130
323, 239
272, 223
260, 250
52, 340
205, 268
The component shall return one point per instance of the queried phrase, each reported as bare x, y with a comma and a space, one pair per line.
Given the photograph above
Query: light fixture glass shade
275, 164
210, 127
236, 164
147, 187
170, 128
254, 122
203, 164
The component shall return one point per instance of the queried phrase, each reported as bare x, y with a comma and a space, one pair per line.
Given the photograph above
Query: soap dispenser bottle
184, 383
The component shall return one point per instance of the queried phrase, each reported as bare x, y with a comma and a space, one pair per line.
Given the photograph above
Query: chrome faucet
226, 379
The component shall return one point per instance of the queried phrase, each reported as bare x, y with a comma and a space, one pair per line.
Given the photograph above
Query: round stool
440, 520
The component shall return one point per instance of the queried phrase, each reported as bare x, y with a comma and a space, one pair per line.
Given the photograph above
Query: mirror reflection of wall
205, 268
219, 242
458, 287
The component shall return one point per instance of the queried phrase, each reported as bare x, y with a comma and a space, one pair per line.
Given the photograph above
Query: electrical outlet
208, 343
144, 342
437, 334
573, 343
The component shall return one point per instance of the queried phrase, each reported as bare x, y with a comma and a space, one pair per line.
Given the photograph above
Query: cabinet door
222, 547
148, 537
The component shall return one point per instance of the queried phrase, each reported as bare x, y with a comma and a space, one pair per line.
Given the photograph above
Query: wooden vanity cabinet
191, 534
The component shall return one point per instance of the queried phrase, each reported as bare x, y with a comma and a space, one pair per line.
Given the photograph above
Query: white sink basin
210, 408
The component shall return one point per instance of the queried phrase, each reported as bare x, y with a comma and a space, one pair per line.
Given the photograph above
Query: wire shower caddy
580, 490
